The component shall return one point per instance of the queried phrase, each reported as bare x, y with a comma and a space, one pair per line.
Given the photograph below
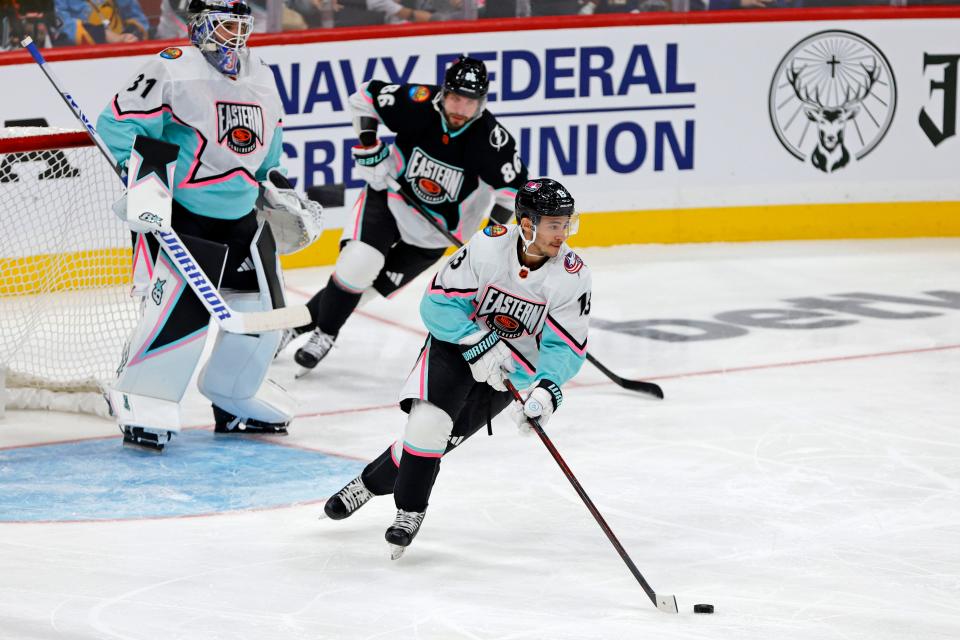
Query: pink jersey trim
141, 253
423, 371
358, 214
580, 351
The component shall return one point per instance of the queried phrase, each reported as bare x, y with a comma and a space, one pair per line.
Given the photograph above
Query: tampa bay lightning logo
499, 138
157, 294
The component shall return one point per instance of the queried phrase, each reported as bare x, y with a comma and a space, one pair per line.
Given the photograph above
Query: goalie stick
648, 388
226, 318
665, 603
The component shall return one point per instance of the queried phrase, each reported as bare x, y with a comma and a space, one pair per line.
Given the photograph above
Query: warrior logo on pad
433, 181
240, 126
509, 316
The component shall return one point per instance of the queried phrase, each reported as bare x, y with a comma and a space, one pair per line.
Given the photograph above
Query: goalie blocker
236, 263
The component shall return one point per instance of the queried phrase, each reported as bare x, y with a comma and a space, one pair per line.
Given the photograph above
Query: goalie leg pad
163, 350
234, 376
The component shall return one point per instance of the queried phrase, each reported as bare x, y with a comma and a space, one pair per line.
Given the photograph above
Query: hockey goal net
65, 308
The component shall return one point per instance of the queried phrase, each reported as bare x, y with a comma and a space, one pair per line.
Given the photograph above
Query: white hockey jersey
230, 132
543, 318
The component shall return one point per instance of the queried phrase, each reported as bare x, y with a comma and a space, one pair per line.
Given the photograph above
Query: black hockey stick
665, 603
650, 388
639, 386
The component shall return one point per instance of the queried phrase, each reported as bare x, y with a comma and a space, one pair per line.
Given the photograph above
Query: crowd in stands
56, 23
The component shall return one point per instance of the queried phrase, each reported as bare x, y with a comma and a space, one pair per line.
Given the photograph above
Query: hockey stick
227, 318
639, 386
665, 603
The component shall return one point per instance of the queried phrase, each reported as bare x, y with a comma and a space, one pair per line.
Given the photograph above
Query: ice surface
804, 481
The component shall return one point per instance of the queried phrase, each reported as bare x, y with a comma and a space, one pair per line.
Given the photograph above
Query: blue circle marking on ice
197, 474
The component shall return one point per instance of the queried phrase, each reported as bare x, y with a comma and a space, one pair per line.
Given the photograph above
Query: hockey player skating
216, 105
446, 145
515, 301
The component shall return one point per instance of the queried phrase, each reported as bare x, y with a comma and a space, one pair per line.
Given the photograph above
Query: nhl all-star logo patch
495, 230
431, 180
499, 138
832, 99
572, 263
171, 53
509, 316
419, 93
240, 126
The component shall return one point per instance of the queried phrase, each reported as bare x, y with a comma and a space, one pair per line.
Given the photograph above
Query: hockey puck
703, 608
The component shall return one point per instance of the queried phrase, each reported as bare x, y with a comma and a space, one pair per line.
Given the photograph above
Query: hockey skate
347, 500
403, 530
316, 349
140, 438
225, 423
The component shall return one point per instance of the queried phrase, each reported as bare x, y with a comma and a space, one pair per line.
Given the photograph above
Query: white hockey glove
371, 164
144, 222
540, 403
296, 222
489, 358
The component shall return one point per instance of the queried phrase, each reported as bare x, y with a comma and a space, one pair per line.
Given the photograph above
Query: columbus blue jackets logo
171, 53
508, 315
433, 181
240, 126
572, 263
495, 230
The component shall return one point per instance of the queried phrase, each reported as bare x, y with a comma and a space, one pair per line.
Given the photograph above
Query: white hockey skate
315, 350
403, 530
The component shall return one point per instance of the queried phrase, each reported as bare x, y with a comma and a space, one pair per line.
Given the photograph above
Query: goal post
65, 271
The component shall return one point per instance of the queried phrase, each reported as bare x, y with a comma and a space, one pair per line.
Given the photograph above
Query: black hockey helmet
543, 197
467, 77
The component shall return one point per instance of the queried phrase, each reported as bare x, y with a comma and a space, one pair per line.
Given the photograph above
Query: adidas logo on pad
246, 266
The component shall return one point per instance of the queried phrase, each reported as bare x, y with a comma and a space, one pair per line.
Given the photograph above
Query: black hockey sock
332, 306
380, 476
415, 482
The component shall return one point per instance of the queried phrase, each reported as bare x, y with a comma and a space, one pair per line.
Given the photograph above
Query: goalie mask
220, 29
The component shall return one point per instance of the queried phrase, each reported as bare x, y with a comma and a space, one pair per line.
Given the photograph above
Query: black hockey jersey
442, 170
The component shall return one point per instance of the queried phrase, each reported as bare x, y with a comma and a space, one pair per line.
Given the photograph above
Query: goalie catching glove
489, 358
296, 222
540, 403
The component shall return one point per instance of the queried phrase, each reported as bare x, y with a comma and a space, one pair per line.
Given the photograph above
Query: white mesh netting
65, 309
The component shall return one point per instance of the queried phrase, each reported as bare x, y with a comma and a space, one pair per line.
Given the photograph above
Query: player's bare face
459, 109
548, 236
552, 232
